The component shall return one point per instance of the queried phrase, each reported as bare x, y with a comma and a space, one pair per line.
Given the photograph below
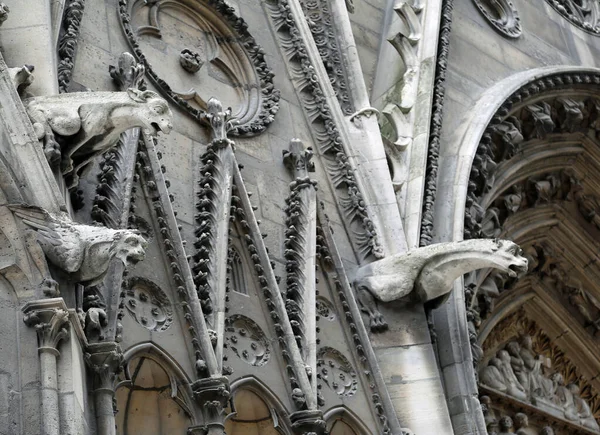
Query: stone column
212, 396
50, 319
105, 360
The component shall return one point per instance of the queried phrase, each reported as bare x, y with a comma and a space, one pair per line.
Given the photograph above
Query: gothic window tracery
236, 273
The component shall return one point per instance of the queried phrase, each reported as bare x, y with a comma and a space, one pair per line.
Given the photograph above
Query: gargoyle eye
159, 110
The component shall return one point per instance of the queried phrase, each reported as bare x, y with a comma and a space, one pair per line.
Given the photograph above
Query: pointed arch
278, 411
345, 415
489, 117
163, 387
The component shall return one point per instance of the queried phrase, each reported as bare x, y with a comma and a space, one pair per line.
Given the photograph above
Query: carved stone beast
89, 123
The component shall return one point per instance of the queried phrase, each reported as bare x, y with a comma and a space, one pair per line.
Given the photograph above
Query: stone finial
50, 319
83, 250
220, 120
128, 73
298, 159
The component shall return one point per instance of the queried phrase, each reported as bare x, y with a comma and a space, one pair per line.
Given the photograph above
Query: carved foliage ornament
247, 340
191, 48
502, 15
148, 304
583, 13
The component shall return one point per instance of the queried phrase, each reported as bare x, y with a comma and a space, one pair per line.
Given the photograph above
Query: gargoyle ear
136, 95
146, 95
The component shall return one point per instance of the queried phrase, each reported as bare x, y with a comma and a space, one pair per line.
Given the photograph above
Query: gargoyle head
157, 116
508, 256
129, 247
4, 10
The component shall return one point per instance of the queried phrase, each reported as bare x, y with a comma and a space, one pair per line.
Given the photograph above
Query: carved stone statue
582, 409
506, 426
490, 225
513, 201
522, 425
491, 375
564, 398
491, 421
518, 365
513, 386
431, 271
89, 123
83, 250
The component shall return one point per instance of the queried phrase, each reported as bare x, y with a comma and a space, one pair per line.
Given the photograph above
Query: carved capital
298, 159
308, 422
128, 73
212, 396
50, 319
105, 360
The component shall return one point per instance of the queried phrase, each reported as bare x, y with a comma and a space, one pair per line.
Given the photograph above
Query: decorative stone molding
335, 371
501, 14
148, 304
329, 140
67, 44
232, 52
247, 340
92, 123
319, 19
435, 129
82, 250
585, 15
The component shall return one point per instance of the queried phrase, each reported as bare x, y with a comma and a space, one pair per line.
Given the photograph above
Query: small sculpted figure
83, 250
583, 409
522, 425
88, 124
564, 398
513, 386
506, 426
491, 421
491, 375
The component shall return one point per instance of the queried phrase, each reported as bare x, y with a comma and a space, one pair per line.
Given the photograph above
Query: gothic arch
348, 417
538, 163
279, 413
162, 378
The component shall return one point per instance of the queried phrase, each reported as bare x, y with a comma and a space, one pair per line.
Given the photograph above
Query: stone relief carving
321, 26
325, 310
584, 14
501, 14
221, 55
22, 77
148, 304
335, 371
432, 270
90, 123
67, 44
247, 340
527, 367
82, 250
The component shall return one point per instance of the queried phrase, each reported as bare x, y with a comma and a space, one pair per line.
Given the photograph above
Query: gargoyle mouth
517, 270
155, 127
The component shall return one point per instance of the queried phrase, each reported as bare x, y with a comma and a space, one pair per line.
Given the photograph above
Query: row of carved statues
516, 370
498, 424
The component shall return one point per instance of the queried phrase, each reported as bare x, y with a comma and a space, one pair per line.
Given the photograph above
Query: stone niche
196, 50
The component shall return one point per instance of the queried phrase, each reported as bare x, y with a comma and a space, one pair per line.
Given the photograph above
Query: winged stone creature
82, 250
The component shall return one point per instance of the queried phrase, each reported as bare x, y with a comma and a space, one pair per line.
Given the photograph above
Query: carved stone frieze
335, 371
228, 55
67, 44
583, 14
148, 304
319, 19
524, 366
82, 250
501, 14
247, 340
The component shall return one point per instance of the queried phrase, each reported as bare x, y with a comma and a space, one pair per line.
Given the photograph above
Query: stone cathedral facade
299, 217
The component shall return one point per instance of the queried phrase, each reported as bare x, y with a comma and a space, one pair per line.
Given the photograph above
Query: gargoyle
82, 250
89, 123
431, 270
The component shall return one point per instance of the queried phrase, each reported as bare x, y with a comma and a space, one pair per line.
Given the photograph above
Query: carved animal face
4, 10
130, 248
156, 114
510, 259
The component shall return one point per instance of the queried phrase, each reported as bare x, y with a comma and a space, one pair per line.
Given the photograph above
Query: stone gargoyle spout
85, 251
88, 124
431, 271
